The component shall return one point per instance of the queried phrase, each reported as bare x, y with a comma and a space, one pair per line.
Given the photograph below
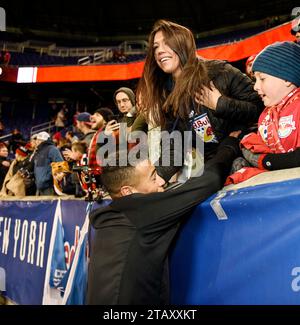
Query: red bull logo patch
203, 128
286, 126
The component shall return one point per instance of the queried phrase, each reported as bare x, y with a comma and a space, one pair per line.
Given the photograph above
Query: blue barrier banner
66, 279
76, 286
25, 231
69, 219
58, 260
73, 218
40, 241
75, 292
252, 256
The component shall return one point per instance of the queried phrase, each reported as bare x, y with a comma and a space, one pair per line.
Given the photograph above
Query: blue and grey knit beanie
281, 60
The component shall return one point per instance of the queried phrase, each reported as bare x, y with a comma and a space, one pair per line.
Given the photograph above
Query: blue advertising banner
73, 217
252, 256
247, 253
68, 221
25, 231
39, 243
75, 292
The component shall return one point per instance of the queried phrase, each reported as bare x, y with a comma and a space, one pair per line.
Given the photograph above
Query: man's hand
110, 127
68, 154
6, 163
235, 134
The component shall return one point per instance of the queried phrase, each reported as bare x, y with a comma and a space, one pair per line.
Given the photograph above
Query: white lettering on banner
32, 236
5, 234
41, 244
1, 220
23, 240
296, 281
16, 235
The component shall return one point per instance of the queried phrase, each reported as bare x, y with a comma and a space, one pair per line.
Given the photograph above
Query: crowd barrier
241, 246
39, 240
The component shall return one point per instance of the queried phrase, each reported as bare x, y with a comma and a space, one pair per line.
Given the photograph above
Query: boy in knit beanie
277, 142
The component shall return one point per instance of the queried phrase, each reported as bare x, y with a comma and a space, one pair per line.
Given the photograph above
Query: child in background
65, 180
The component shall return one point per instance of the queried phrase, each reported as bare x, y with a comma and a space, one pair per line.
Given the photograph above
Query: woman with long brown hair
178, 89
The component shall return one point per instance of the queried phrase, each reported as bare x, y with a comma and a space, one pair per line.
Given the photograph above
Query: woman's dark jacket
238, 108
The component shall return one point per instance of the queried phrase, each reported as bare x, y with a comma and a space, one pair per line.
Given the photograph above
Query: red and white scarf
271, 121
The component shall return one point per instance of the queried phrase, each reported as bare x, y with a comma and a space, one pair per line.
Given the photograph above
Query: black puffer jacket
238, 108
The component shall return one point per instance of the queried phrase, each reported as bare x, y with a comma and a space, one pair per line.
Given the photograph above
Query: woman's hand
208, 96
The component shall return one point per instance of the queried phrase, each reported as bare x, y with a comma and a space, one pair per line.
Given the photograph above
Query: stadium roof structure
116, 72
100, 21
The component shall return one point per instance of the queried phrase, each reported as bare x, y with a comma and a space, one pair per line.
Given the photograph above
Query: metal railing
47, 126
101, 56
128, 47
134, 47
53, 49
3, 138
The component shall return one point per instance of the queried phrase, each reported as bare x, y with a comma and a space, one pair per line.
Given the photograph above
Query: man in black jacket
129, 257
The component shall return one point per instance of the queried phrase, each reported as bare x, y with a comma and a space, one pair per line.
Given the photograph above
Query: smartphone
115, 117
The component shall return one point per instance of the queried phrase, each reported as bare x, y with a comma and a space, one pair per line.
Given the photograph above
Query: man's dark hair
115, 174
106, 113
